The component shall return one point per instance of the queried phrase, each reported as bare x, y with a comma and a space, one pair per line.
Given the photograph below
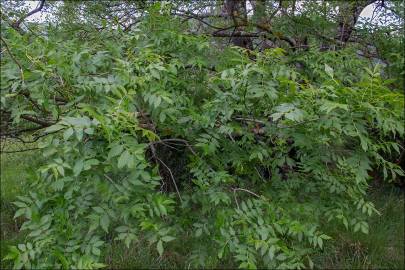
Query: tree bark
236, 10
349, 12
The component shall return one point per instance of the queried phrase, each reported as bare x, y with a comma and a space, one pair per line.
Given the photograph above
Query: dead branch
153, 150
246, 190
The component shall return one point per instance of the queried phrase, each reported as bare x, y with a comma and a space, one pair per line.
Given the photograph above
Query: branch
238, 34
34, 140
223, 29
172, 177
17, 151
38, 121
268, 29
13, 58
152, 147
151, 144
197, 18
250, 120
16, 25
245, 190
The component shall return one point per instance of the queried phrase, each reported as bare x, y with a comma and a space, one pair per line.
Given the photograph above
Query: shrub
169, 138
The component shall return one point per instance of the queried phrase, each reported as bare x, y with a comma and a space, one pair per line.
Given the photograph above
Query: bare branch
36, 120
152, 147
246, 190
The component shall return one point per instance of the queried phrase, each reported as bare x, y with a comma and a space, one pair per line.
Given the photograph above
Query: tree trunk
349, 12
236, 11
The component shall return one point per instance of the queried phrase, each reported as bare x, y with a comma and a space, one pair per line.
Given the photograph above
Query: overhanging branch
16, 25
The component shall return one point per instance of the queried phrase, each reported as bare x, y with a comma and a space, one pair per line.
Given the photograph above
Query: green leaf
89, 131
168, 238
124, 159
79, 134
58, 184
344, 219
22, 247
98, 265
54, 128
20, 204
98, 210
67, 134
122, 229
364, 228
320, 242
198, 232
19, 212
310, 263
162, 117
96, 251
281, 257
272, 251
357, 227
12, 254
160, 247
115, 151
105, 222
329, 70
78, 167
328, 106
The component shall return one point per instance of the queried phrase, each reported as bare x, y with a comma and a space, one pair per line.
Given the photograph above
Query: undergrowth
383, 248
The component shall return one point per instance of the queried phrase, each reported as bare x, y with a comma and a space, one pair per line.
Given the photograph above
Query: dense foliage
158, 134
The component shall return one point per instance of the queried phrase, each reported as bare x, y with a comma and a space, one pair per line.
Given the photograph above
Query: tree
153, 125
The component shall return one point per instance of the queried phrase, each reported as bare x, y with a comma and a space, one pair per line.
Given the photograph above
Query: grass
15, 172
383, 248
138, 256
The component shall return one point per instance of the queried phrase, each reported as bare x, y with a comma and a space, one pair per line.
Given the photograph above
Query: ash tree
238, 127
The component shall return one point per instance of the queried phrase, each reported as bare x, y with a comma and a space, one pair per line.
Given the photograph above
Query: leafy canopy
165, 137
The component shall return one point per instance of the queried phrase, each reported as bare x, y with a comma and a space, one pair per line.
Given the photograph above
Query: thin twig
250, 120
174, 140
112, 182
38, 121
172, 177
153, 150
230, 38
261, 177
34, 140
246, 190
13, 58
